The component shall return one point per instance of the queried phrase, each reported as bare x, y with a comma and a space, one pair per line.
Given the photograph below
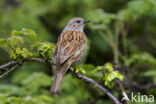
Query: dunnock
70, 49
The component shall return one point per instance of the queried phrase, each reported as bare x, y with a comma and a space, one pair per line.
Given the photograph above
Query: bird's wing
69, 44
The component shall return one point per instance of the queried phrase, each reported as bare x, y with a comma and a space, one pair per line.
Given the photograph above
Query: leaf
108, 67
135, 9
141, 58
125, 15
150, 73
98, 15
9, 89
25, 32
98, 68
45, 49
17, 33
45, 99
20, 53
110, 76
37, 44
36, 80
2, 42
13, 55
30, 33
109, 84
15, 40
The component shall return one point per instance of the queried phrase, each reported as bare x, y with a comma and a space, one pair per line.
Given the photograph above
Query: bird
69, 51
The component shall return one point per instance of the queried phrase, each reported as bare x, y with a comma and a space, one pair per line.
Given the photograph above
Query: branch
14, 67
80, 76
8, 64
25, 60
77, 75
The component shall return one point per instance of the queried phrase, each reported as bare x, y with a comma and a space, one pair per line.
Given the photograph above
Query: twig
25, 60
8, 64
79, 76
38, 60
14, 67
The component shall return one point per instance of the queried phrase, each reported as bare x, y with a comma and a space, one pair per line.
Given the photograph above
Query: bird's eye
78, 21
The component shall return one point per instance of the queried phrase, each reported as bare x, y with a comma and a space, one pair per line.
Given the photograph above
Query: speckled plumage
70, 49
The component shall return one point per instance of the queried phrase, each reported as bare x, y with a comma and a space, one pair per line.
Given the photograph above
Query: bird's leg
74, 71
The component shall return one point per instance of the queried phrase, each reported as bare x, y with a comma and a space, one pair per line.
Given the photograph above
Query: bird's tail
60, 72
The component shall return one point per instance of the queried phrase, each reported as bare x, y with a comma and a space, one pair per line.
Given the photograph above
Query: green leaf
30, 33
13, 55
2, 41
15, 40
135, 9
150, 73
98, 15
45, 49
141, 58
110, 76
98, 68
25, 32
10, 89
17, 33
36, 80
108, 67
45, 99
110, 84
21, 53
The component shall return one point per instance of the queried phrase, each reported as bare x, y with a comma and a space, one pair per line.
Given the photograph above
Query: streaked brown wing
68, 44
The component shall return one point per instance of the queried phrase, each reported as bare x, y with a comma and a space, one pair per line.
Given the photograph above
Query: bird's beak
86, 21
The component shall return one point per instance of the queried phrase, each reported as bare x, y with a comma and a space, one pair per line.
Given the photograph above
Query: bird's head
76, 24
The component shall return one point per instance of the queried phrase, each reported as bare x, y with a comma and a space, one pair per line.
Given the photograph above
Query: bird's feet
74, 71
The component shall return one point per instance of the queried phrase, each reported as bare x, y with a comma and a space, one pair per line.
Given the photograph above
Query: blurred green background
121, 31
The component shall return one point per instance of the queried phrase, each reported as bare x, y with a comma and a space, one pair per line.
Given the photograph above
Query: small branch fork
17, 63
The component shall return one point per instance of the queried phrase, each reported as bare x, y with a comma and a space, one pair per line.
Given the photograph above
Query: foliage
45, 49
109, 75
5, 99
141, 58
15, 46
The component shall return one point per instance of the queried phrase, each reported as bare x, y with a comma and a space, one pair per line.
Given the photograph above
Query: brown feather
59, 75
67, 48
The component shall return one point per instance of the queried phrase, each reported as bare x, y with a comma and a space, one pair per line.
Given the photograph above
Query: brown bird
70, 49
